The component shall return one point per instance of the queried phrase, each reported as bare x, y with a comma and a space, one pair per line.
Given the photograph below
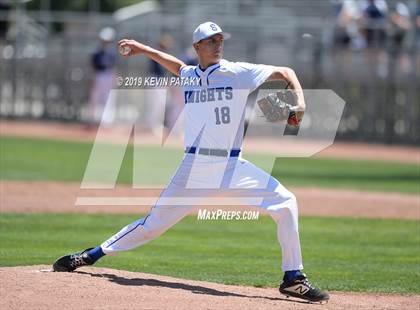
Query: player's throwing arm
129, 48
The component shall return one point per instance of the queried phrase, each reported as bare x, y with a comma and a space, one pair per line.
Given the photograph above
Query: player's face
210, 49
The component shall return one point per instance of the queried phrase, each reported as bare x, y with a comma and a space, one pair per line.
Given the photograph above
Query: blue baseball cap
206, 30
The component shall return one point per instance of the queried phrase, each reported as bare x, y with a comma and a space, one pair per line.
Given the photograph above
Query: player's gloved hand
281, 106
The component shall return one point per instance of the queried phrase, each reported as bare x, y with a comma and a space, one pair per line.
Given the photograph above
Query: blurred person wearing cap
400, 24
213, 114
102, 103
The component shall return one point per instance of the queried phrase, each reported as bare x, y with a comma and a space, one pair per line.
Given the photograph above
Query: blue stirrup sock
96, 253
292, 274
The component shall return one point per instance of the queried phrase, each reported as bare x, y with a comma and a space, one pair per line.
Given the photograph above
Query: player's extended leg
136, 234
281, 205
159, 219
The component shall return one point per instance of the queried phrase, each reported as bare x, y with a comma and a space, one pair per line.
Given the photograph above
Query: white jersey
214, 110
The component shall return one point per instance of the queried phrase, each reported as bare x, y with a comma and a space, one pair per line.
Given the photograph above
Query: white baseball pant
235, 176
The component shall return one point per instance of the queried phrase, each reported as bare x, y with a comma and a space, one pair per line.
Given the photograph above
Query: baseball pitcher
214, 115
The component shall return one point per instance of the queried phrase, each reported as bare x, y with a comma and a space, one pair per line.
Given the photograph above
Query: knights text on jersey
215, 108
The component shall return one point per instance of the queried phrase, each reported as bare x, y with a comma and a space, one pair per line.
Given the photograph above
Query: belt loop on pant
190, 150
234, 152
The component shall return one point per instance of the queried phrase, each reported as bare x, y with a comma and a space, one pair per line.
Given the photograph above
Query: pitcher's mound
36, 287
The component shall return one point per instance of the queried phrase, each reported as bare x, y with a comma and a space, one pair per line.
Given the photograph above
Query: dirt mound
58, 197
34, 287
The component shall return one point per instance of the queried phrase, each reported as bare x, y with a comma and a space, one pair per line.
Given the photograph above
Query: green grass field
38, 159
339, 253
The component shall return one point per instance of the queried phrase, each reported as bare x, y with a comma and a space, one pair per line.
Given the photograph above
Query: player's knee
292, 199
288, 203
287, 197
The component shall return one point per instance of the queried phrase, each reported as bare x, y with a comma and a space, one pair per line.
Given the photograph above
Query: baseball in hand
124, 50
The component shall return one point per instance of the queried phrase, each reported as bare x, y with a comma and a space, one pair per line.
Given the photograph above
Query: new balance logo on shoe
301, 289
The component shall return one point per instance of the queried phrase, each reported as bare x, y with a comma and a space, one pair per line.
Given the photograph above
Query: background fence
45, 55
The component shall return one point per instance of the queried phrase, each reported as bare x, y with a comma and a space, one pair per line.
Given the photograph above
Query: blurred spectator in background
4, 24
347, 14
400, 24
155, 101
102, 102
417, 25
374, 22
190, 57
